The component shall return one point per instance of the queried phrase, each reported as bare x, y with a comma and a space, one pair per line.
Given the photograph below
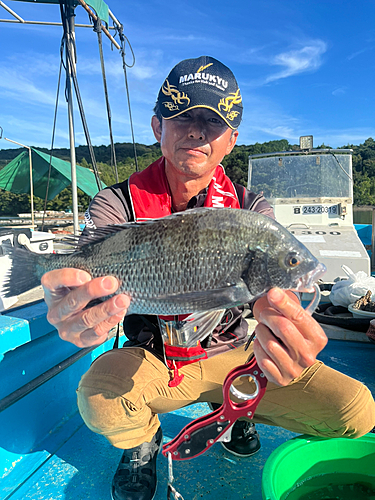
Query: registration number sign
319, 209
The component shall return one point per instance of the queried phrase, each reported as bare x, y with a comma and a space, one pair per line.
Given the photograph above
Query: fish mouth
306, 282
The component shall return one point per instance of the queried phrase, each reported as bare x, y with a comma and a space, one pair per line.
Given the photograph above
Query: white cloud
185, 38
16, 86
338, 138
146, 67
359, 52
308, 58
339, 91
265, 120
34, 63
268, 126
36, 132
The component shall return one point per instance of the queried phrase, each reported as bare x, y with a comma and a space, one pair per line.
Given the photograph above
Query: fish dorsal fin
91, 236
99, 234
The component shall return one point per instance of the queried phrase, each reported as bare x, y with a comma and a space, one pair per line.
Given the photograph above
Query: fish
201, 259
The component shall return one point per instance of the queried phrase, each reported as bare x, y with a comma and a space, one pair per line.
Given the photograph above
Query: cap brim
201, 106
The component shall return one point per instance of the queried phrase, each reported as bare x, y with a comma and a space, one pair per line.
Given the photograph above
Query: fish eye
292, 260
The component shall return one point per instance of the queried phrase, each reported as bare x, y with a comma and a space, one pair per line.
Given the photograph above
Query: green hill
236, 165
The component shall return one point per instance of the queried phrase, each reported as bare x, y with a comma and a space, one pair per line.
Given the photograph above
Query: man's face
194, 143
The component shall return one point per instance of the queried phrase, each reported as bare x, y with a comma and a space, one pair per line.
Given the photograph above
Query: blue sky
304, 67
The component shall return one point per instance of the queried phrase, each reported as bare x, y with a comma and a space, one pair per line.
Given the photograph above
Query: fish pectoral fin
205, 315
220, 298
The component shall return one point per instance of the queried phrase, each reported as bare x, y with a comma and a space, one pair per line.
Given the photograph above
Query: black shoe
135, 478
244, 440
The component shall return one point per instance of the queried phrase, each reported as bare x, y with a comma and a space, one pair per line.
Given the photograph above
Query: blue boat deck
72, 463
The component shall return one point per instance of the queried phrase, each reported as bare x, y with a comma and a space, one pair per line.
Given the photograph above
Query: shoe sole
233, 452
150, 499
156, 489
240, 454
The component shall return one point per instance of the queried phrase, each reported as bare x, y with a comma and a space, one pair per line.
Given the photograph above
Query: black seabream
197, 260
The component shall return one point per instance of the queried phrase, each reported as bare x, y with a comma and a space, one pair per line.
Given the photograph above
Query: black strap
125, 199
117, 339
151, 326
243, 193
146, 321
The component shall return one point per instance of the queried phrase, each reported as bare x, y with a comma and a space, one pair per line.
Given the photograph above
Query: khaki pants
125, 389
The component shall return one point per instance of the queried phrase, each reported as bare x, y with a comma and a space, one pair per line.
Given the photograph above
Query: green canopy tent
15, 176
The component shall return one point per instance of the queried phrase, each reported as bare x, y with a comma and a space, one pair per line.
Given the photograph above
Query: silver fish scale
169, 274
192, 254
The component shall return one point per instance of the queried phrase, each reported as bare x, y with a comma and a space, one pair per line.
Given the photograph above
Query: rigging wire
98, 30
123, 40
69, 48
53, 135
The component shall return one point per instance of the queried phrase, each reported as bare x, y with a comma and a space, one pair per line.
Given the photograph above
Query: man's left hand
288, 339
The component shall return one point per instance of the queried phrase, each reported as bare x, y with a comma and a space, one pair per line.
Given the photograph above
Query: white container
42, 242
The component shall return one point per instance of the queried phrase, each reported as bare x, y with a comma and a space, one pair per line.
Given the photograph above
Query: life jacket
151, 198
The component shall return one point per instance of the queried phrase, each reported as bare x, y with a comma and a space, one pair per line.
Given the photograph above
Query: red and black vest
151, 198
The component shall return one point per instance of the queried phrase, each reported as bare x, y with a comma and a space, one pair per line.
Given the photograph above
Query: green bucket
305, 466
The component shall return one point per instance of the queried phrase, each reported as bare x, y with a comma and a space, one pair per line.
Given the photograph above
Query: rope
98, 30
53, 137
69, 48
123, 40
70, 51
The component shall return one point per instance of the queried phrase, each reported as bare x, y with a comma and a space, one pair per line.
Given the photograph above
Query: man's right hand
68, 291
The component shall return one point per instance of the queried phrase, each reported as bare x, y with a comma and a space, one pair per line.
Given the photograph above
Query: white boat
311, 192
36, 241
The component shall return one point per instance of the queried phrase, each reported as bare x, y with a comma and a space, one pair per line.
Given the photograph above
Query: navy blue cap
201, 83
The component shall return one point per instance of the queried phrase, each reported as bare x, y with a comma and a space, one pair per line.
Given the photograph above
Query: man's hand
288, 339
68, 291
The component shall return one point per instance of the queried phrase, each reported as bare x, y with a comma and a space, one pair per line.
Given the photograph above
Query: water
334, 486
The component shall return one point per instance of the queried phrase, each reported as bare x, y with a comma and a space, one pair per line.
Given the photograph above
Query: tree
235, 164
13, 204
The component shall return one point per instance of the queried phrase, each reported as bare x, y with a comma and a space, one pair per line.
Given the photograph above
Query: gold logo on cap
227, 103
202, 68
171, 106
176, 96
232, 115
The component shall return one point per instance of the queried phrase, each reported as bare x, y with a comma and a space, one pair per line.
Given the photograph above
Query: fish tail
22, 272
